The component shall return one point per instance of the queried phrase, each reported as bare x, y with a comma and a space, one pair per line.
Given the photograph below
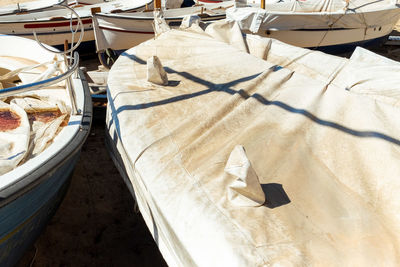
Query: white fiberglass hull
53, 27
326, 38
123, 31
51, 32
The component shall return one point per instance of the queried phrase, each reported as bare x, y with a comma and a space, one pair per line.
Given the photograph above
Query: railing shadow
275, 195
226, 88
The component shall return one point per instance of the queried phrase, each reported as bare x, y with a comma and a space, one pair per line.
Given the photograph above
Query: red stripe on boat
118, 30
79, 3
54, 24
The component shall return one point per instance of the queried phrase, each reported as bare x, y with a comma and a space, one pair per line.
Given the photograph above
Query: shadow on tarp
275, 195
224, 87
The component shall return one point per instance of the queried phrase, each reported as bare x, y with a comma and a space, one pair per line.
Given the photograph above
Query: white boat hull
52, 32
53, 27
123, 31
320, 29
323, 38
121, 34
20, 230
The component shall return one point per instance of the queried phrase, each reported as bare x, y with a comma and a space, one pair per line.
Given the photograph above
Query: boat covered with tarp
331, 25
245, 151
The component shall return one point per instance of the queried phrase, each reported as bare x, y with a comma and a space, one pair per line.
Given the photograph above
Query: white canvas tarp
322, 5
320, 132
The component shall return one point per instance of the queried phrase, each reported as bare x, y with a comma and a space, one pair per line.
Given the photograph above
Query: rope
79, 25
34, 257
10, 74
345, 12
330, 28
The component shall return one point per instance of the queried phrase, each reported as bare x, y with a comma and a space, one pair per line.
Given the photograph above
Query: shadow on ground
96, 224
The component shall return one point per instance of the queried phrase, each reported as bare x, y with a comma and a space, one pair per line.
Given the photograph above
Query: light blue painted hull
22, 220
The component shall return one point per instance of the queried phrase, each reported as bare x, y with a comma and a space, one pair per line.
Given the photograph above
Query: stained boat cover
314, 14
29, 121
320, 132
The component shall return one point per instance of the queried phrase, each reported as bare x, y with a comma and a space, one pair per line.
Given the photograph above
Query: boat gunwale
126, 17
38, 85
339, 13
42, 20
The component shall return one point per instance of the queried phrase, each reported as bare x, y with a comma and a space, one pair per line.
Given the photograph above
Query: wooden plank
157, 4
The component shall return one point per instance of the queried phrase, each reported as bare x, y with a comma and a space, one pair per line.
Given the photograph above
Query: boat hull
27, 206
335, 41
327, 31
54, 27
121, 32
52, 33
35, 210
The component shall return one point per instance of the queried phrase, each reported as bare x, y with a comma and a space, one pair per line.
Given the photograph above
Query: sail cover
321, 134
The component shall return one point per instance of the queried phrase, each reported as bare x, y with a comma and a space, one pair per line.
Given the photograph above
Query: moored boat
122, 31
45, 117
53, 27
256, 153
29, 6
332, 26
